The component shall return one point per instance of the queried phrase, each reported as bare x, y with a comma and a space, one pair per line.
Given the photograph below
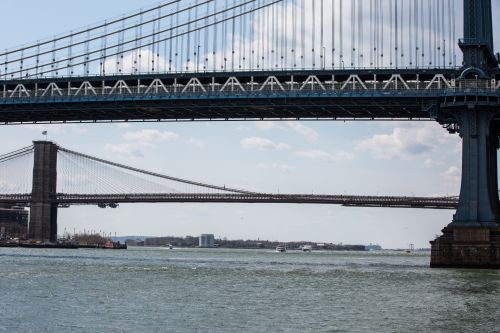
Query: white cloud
325, 156
276, 166
268, 125
405, 143
139, 140
132, 63
125, 149
240, 128
262, 144
299, 128
124, 125
196, 143
453, 175
429, 162
150, 135
307, 132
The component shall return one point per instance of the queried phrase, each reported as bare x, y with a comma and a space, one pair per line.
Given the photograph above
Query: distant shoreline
193, 242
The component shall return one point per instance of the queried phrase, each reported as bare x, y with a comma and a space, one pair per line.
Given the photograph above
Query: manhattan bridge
239, 60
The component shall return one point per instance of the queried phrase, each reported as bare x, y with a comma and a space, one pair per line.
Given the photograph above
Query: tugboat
280, 248
114, 246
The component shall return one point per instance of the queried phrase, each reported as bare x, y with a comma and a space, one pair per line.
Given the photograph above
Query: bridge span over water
63, 177
189, 60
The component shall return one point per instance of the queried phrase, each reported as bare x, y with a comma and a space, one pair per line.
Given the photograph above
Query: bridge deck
334, 95
345, 200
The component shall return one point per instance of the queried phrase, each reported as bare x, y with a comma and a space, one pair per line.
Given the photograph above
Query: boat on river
280, 248
307, 248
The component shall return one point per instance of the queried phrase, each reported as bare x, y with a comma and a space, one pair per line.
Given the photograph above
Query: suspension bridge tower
43, 211
473, 237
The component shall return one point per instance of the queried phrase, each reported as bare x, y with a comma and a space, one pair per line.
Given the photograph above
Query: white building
207, 240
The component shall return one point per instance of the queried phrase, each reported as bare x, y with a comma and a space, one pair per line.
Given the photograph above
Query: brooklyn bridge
221, 60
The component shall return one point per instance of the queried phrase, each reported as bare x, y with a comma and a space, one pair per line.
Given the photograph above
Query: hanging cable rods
246, 35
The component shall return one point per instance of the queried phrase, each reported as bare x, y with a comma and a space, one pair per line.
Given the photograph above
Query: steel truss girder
336, 95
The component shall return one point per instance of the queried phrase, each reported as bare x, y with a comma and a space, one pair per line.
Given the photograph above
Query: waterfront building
207, 240
13, 222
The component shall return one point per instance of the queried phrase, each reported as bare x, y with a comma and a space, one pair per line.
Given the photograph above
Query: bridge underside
334, 95
249, 108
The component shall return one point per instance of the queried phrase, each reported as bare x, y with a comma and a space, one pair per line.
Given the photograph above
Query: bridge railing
194, 87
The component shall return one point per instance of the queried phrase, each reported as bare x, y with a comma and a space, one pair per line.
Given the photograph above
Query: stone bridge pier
473, 237
43, 211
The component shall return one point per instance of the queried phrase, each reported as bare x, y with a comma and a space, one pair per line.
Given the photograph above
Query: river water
218, 290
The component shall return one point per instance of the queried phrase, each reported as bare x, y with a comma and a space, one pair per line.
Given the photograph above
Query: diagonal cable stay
81, 173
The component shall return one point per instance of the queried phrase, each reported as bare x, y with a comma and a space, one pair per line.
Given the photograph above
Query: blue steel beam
332, 95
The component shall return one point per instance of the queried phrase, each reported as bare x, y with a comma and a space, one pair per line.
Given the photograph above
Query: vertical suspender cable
214, 42
274, 37
381, 34
170, 43
303, 33
353, 30
450, 39
402, 32
165, 56
372, 33
267, 47
252, 27
262, 28
334, 19
176, 55
181, 58
435, 30
158, 28
376, 46
241, 37
188, 41
391, 31
341, 35
396, 35
294, 33
411, 13
152, 53
360, 36
233, 35
454, 35
68, 65
284, 34
206, 33
431, 21
443, 32
197, 43
438, 34
37, 59
422, 31
224, 37
313, 33
415, 30
322, 44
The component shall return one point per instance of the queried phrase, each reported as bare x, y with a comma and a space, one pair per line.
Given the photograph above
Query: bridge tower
473, 237
43, 211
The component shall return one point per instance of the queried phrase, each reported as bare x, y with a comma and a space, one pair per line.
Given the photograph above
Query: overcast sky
375, 158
